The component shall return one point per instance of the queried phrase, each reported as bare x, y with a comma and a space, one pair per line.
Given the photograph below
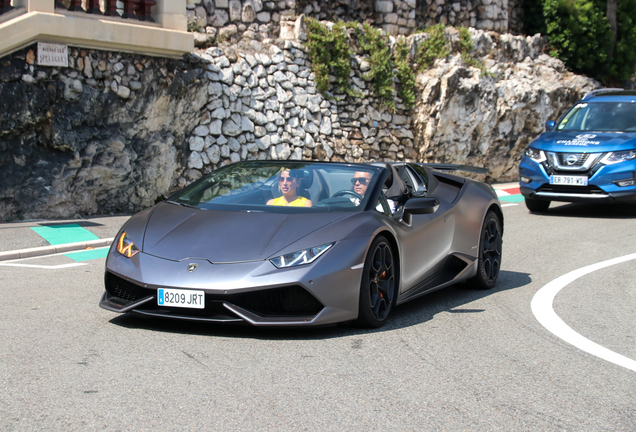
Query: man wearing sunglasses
360, 181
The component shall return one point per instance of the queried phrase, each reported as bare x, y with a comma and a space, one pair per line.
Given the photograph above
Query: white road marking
48, 267
508, 205
544, 313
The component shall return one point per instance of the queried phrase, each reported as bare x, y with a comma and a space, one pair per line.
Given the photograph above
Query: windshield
282, 187
600, 116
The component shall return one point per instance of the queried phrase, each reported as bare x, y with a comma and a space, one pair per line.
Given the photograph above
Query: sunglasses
362, 180
286, 179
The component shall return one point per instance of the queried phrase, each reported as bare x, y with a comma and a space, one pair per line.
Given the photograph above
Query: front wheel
537, 206
378, 289
490, 248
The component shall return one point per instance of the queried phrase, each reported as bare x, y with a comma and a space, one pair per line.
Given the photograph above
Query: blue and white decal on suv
588, 155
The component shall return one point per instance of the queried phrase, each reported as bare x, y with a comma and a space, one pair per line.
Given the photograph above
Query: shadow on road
415, 312
600, 211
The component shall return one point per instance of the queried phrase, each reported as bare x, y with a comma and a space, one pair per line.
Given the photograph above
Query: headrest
393, 184
306, 179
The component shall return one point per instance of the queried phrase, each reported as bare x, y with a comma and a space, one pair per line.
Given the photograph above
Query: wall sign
50, 54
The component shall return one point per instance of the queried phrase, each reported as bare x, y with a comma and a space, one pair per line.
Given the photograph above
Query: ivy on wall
434, 47
391, 69
375, 43
329, 50
405, 73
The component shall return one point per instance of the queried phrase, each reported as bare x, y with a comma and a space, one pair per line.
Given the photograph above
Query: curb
48, 250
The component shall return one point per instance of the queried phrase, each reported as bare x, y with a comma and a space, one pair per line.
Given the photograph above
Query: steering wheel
344, 193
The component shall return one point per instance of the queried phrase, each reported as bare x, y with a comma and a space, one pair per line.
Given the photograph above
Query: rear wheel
379, 285
490, 248
537, 206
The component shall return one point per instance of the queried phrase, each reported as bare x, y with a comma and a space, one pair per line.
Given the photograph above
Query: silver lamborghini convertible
274, 243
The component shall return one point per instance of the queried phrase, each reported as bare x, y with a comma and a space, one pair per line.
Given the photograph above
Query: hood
177, 233
585, 142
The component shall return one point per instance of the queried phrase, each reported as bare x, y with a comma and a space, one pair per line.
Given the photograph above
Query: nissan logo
571, 160
192, 267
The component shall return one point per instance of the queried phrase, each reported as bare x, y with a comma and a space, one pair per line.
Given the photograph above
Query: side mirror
550, 125
421, 205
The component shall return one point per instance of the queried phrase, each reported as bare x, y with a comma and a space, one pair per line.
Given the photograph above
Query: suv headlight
306, 256
126, 247
620, 156
536, 155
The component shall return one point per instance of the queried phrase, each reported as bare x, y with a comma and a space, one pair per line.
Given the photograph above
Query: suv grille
580, 159
572, 163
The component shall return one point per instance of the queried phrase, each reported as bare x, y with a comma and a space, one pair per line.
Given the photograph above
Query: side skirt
456, 268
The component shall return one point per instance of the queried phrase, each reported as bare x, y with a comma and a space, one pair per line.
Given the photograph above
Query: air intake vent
125, 290
286, 301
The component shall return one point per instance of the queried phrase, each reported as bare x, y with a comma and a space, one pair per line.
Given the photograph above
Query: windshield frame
254, 191
600, 116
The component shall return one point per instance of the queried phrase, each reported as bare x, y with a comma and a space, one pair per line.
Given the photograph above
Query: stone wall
487, 121
105, 134
228, 20
265, 105
115, 131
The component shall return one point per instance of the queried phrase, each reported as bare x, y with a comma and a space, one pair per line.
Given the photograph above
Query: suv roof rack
599, 91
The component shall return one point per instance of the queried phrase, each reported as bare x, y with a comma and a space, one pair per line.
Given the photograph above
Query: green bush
533, 21
375, 43
579, 34
405, 73
622, 64
437, 46
466, 49
432, 48
329, 50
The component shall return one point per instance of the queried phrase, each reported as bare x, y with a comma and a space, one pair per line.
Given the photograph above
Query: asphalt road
457, 359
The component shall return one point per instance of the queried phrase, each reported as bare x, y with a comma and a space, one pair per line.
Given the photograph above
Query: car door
425, 242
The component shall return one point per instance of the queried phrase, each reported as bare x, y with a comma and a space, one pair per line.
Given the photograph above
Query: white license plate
568, 180
181, 298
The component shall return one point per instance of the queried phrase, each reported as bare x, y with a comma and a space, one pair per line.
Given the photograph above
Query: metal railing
140, 10
153, 27
132, 9
5, 6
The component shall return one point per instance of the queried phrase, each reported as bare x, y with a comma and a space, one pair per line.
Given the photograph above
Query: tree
611, 19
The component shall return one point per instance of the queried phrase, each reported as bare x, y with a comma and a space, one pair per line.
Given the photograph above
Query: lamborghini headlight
536, 155
619, 156
126, 247
306, 256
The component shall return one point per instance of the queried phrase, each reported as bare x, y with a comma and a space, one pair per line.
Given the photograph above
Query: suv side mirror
550, 125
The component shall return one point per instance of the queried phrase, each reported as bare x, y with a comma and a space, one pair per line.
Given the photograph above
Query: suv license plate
181, 298
568, 180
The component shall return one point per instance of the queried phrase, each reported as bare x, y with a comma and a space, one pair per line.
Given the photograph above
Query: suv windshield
600, 116
282, 187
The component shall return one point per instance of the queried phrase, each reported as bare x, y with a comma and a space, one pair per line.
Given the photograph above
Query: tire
490, 248
378, 289
537, 206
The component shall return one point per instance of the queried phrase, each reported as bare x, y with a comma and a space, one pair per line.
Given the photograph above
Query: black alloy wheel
379, 284
490, 249
537, 206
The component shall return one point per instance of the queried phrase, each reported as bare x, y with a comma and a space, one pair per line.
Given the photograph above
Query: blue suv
589, 155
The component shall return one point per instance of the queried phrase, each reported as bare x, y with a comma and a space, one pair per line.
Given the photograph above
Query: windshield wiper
182, 204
